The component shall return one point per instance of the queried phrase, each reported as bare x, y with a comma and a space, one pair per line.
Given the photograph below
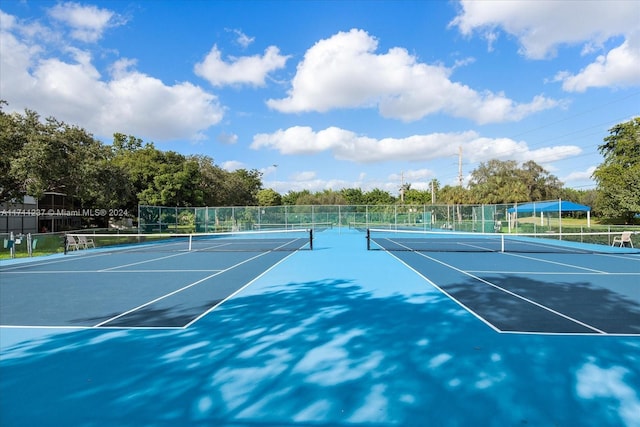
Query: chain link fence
467, 218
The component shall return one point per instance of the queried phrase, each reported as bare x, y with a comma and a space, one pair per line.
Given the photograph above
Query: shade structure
550, 206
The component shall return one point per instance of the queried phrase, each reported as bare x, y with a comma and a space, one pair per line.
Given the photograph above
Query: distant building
19, 217
53, 212
57, 213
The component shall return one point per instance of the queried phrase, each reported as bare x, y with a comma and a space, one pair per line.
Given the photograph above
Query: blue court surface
334, 336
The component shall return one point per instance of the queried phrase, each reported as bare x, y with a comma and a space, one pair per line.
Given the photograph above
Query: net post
311, 239
12, 245
502, 243
368, 239
64, 244
190, 241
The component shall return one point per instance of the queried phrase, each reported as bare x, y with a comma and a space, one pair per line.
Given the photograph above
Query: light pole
275, 176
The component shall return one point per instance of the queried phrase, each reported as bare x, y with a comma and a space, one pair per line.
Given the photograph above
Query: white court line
208, 270
197, 282
528, 273
100, 252
178, 290
236, 292
628, 257
523, 298
82, 256
162, 327
554, 262
451, 297
84, 328
143, 262
566, 273
55, 261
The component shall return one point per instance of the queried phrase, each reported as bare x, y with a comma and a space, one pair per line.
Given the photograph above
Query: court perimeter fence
467, 218
470, 218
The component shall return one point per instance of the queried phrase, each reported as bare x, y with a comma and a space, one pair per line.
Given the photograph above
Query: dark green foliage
38, 156
618, 177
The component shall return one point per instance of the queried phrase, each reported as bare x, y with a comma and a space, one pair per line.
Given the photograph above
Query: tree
305, 197
618, 176
498, 182
212, 181
54, 156
454, 195
292, 197
329, 197
417, 197
102, 185
176, 184
122, 142
269, 197
353, 196
503, 182
378, 197
140, 165
241, 187
12, 139
540, 184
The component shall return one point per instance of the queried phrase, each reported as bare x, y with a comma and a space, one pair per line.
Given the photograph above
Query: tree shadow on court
153, 316
522, 304
322, 353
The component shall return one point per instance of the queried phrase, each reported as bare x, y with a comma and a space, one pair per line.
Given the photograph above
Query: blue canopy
550, 206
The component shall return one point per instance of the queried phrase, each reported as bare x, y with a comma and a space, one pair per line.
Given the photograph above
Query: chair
72, 243
623, 240
85, 243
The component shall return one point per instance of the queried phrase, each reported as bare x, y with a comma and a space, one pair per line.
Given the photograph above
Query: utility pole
460, 165
433, 192
402, 187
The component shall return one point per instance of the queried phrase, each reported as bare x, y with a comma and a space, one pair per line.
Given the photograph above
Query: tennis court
160, 280
535, 284
337, 335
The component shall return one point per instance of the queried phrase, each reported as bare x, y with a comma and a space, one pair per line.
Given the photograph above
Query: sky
321, 95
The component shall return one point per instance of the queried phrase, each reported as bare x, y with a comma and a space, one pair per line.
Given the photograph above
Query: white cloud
347, 145
344, 71
418, 178
143, 103
304, 176
412, 175
227, 138
74, 91
619, 67
87, 23
270, 170
309, 180
317, 184
242, 39
542, 26
579, 175
251, 70
233, 165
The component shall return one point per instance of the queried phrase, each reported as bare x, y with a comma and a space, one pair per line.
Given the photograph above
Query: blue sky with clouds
333, 94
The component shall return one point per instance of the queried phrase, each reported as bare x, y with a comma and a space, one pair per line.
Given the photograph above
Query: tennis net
451, 241
244, 241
